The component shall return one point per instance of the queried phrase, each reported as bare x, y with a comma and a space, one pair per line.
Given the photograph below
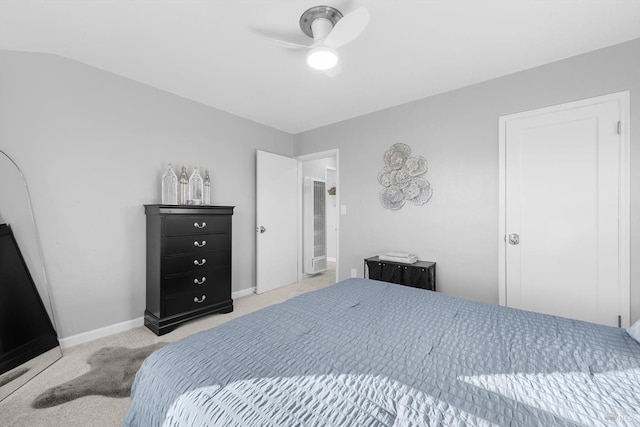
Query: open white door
276, 221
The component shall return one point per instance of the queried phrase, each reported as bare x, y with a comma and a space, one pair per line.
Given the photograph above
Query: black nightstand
422, 274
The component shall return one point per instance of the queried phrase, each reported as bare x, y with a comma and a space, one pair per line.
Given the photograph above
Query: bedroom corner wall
93, 146
457, 132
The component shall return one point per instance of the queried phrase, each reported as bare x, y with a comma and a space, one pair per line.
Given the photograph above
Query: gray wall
93, 146
457, 132
315, 168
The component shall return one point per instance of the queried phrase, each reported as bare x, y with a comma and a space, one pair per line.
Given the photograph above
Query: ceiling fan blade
348, 28
288, 45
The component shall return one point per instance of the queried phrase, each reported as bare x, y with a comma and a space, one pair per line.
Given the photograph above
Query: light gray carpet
112, 372
95, 410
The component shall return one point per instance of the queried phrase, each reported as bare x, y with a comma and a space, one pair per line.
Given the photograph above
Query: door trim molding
624, 241
335, 152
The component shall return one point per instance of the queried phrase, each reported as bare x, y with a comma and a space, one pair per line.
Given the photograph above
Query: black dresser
421, 274
188, 264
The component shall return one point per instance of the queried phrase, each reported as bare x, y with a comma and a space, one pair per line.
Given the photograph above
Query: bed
369, 353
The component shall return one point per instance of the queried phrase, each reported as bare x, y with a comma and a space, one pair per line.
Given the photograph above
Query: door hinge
619, 127
619, 321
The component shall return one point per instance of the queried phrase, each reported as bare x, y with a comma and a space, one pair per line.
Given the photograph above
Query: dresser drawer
194, 300
197, 280
187, 224
196, 262
196, 244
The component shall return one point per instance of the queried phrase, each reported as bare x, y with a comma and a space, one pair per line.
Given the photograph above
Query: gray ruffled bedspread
368, 353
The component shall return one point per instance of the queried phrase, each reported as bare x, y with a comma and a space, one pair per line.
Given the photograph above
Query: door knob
261, 229
514, 239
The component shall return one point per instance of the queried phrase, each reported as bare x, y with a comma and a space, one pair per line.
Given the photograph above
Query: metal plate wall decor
401, 178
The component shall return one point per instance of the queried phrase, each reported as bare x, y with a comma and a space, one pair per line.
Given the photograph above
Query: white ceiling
212, 51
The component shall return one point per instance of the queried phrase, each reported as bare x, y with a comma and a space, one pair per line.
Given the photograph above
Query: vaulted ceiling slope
216, 53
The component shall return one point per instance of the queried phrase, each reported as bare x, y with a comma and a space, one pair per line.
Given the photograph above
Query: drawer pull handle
200, 245
200, 282
199, 263
201, 300
203, 225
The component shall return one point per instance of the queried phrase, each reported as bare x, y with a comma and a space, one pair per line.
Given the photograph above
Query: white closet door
562, 213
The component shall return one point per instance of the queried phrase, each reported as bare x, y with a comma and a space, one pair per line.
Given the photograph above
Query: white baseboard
243, 293
331, 259
124, 326
101, 332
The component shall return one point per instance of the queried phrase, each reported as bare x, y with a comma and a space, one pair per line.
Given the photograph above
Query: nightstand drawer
186, 224
197, 280
195, 300
386, 272
196, 262
196, 244
420, 277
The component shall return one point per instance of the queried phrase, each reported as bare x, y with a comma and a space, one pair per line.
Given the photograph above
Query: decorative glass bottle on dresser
206, 196
195, 188
183, 187
170, 187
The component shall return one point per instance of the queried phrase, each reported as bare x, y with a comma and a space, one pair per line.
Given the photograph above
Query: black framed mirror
28, 339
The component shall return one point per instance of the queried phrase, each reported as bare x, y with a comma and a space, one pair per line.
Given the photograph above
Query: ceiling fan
329, 30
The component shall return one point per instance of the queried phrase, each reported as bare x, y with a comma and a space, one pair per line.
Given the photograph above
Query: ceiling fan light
322, 58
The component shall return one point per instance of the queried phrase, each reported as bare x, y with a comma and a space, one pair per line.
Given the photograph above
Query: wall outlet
354, 272
343, 209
